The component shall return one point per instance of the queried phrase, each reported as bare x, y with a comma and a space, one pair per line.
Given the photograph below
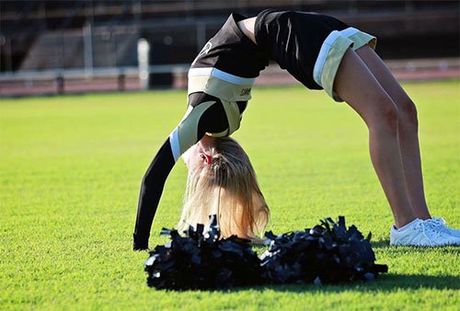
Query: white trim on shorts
325, 48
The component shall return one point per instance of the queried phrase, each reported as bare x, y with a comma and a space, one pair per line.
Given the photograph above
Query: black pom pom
326, 253
201, 261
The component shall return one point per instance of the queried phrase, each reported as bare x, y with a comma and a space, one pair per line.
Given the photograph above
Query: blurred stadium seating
57, 46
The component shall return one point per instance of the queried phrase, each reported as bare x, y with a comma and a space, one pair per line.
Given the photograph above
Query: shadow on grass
389, 283
385, 244
380, 244
386, 283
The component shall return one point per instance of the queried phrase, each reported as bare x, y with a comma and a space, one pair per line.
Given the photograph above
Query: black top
211, 120
231, 51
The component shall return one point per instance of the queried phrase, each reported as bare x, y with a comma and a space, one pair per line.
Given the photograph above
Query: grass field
70, 172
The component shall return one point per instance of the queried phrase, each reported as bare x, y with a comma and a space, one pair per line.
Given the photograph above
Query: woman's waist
220, 84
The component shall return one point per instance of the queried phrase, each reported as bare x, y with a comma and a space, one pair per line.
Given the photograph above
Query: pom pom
199, 260
326, 253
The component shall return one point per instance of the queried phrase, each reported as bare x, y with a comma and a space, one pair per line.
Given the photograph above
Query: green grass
70, 172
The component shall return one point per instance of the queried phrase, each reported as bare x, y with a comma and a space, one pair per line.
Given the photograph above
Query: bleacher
38, 25
97, 37
55, 49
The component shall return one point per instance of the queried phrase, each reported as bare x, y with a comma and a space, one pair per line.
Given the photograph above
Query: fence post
88, 49
121, 80
143, 48
60, 84
200, 36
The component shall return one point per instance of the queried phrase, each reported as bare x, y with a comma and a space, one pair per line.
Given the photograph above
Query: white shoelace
428, 229
437, 223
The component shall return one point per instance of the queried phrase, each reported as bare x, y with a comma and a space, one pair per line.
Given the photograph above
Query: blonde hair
228, 188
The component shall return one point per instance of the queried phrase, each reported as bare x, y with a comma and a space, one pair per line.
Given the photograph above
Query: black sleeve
151, 189
212, 120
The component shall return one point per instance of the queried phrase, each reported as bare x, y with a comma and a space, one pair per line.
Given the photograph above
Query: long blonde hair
228, 187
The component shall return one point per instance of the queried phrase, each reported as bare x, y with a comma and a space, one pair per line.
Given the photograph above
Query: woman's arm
207, 115
151, 190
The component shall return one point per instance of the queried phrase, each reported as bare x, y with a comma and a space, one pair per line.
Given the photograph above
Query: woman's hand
139, 246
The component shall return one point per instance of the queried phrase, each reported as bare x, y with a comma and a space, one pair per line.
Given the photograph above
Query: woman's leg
407, 130
355, 84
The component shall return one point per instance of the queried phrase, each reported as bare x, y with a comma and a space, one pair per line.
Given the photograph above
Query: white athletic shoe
421, 233
441, 223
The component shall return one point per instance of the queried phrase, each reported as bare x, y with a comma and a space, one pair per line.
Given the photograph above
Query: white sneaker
441, 223
421, 233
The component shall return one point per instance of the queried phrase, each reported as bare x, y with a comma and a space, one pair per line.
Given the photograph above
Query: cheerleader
321, 52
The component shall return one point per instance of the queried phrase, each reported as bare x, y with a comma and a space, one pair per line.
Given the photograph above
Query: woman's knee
408, 112
385, 115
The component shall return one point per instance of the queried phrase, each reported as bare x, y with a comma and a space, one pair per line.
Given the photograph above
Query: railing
127, 78
62, 81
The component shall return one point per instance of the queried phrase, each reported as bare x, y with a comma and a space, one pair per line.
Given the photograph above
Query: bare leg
355, 84
407, 130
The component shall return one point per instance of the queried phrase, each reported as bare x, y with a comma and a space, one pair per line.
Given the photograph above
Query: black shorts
309, 46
